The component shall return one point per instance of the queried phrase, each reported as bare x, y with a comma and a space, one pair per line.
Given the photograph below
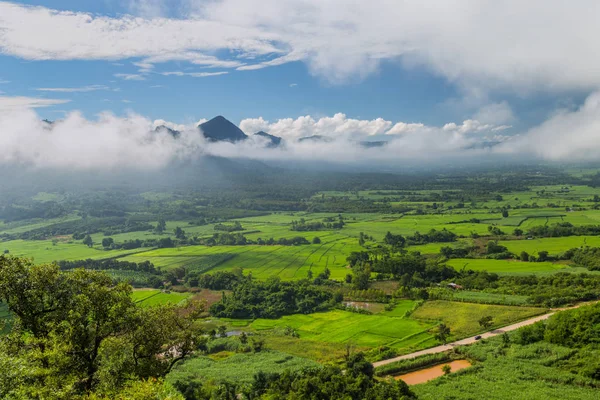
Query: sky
428, 75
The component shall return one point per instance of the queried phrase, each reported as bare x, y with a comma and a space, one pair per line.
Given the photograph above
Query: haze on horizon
515, 82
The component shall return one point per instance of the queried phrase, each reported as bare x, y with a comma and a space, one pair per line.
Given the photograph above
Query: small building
454, 286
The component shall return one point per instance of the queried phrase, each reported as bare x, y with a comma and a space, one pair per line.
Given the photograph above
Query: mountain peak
221, 129
274, 140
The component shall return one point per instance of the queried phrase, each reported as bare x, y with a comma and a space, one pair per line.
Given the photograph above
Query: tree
161, 226
524, 256
179, 233
504, 213
107, 242
360, 280
518, 232
316, 240
87, 240
442, 332
447, 369
542, 256
486, 322
80, 333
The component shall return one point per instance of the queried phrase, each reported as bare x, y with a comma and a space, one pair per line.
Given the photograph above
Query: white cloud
567, 136
293, 84
495, 113
8, 103
514, 45
75, 142
90, 88
147, 8
126, 101
130, 77
340, 126
194, 74
3, 82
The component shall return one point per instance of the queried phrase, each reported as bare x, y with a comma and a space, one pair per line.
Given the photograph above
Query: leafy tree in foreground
486, 322
76, 333
442, 333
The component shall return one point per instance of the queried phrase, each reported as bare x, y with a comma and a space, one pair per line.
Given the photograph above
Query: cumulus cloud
566, 136
340, 126
485, 44
336, 126
76, 142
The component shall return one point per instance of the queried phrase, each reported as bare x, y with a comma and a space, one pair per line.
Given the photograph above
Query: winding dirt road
471, 340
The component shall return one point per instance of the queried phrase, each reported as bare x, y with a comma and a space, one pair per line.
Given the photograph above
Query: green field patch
462, 318
148, 298
510, 267
551, 245
479, 297
238, 368
359, 329
287, 262
45, 251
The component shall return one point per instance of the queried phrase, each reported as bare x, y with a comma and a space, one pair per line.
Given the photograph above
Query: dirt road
469, 340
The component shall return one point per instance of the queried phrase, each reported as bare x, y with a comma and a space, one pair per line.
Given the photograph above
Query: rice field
149, 298
512, 267
45, 251
287, 262
385, 329
551, 245
463, 318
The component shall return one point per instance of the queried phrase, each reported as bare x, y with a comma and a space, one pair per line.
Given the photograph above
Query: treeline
237, 226
564, 229
327, 223
238, 239
84, 226
354, 380
433, 236
272, 299
114, 264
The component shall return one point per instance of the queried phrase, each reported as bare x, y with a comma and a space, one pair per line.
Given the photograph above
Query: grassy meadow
401, 329
239, 368
149, 298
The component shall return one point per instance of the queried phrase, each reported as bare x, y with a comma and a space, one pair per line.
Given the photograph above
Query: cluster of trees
328, 223
272, 299
238, 239
112, 264
76, 334
564, 229
78, 229
237, 226
433, 236
550, 291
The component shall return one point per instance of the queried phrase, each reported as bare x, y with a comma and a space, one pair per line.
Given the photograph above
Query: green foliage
272, 299
76, 332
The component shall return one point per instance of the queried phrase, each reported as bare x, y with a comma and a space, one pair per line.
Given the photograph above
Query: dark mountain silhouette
220, 129
368, 144
172, 132
316, 138
275, 140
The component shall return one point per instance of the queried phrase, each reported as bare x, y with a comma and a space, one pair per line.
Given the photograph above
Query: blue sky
462, 71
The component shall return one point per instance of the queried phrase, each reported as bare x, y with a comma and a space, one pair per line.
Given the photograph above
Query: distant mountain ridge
274, 140
221, 129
